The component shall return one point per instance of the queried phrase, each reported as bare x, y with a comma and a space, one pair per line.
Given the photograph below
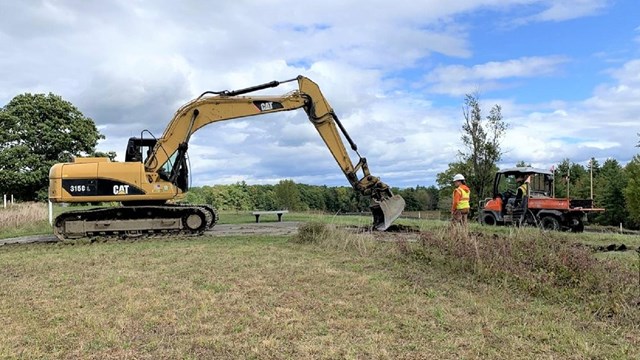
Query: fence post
50, 213
5, 200
11, 199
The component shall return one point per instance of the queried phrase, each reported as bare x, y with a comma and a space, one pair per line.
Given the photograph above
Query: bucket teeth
386, 211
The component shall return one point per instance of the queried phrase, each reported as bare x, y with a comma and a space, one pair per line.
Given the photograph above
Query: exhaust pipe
385, 211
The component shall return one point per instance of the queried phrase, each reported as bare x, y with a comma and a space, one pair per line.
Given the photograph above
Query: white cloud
559, 10
604, 125
459, 80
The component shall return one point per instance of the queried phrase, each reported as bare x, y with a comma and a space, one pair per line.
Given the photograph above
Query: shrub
311, 233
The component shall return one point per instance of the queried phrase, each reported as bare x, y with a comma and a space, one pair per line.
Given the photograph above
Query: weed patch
23, 219
328, 236
17, 215
543, 265
311, 233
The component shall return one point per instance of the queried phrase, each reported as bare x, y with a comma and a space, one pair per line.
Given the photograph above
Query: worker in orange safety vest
460, 206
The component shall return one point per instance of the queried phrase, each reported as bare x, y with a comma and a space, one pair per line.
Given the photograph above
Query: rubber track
139, 213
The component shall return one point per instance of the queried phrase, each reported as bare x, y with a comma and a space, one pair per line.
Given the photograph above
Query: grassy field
497, 293
268, 297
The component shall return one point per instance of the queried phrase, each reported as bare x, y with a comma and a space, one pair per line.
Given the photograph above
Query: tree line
302, 197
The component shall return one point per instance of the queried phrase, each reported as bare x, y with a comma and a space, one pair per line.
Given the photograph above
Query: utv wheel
550, 223
489, 219
528, 219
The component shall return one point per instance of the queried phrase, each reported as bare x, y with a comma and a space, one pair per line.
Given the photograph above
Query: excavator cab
139, 147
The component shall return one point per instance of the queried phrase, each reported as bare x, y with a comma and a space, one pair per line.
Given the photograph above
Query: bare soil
271, 228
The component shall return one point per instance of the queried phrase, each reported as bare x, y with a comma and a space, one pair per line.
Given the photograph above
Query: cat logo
267, 105
120, 189
264, 106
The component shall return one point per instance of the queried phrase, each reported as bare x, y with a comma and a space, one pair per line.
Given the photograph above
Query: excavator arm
212, 107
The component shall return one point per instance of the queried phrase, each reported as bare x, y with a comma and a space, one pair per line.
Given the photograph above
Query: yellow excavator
147, 188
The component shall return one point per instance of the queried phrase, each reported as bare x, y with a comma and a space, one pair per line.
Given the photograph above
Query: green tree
611, 187
427, 197
288, 195
263, 196
312, 197
37, 131
434, 197
344, 202
560, 178
580, 182
632, 190
109, 154
481, 139
576, 179
195, 196
411, 200
238, 196
593, 171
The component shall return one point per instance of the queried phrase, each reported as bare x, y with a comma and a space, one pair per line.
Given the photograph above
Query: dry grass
266, 297
16, 215
332, 237
323, 294
23, 218
544, 265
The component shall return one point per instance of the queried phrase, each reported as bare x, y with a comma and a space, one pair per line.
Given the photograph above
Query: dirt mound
403, 228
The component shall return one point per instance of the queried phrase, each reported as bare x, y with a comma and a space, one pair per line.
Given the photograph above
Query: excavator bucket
386, 211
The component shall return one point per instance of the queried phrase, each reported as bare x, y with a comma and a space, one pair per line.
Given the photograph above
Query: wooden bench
278, 212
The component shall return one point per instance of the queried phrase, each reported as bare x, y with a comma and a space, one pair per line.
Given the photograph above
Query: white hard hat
458, 177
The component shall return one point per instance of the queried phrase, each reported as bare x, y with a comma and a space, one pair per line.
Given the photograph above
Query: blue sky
566, 73
589, 44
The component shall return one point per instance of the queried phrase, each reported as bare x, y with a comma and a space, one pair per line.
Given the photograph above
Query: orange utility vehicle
538, 207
